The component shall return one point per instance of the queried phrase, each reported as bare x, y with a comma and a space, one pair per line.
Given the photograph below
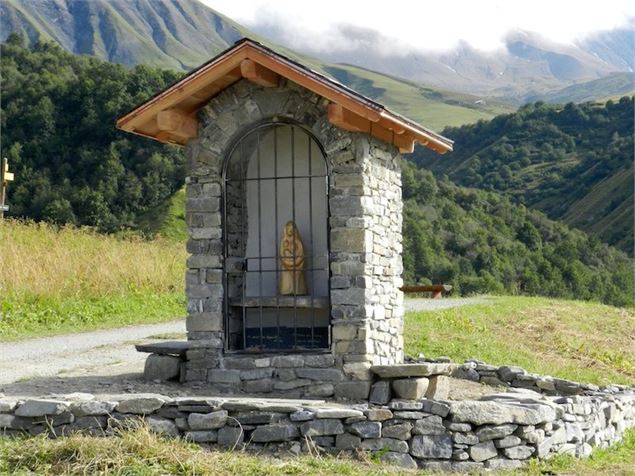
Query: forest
58, 132
573, 162
73, 167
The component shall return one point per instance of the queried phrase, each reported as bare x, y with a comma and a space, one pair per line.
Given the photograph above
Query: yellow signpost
5, 178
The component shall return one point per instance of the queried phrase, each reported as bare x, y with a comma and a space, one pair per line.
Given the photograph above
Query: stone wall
365, 240
501, 432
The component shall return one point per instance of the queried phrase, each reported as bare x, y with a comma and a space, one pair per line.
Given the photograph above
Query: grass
140, 452
576, 340
60, 280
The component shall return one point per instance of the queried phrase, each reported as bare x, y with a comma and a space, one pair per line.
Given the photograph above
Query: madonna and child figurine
292, 262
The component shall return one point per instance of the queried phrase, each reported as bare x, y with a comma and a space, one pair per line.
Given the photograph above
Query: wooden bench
437, 290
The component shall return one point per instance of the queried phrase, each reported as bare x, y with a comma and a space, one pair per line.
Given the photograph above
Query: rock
412, 370
210, 436
497, 413
462, 467
380, 393
319, 390
503, 464
403, 460
483, 451
337, 413
162, 367
255, 418
6, 421
438, 388
207, 421
400, 431
287, 361
275, 432
468, 438
534, 437
378, 414
495, 432
162, 426
323, 375
432, 425
321, 360
92, 408
7, 405
302, 415
346, 441
390, 444
405, 405
509, 374
366, 429
508, 442
518, 452
462, 427
436, 408
431, 446
355, 390
41, 407
322, 427
407, 415
140, 404
410, 388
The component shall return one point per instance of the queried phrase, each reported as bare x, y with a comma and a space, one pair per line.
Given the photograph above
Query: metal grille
275, 173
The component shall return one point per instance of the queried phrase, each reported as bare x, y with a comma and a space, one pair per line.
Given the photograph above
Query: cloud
425, 26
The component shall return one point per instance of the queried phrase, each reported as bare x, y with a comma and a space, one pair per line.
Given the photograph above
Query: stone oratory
294, 215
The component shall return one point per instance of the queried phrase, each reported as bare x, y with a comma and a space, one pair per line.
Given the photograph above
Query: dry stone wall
502, 431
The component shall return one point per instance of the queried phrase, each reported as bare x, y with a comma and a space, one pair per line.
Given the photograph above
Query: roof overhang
170, 116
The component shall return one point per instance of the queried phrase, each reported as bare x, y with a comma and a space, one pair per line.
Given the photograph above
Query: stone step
426, 369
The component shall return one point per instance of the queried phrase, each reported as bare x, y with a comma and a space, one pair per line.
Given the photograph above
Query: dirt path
105, 352
107, 362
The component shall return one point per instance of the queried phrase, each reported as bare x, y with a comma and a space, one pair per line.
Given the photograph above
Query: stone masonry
365, 251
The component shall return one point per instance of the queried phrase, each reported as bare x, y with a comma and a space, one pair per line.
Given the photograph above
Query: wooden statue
292, 262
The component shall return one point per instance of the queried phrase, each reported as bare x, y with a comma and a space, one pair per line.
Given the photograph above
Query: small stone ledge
496, 432
427, 369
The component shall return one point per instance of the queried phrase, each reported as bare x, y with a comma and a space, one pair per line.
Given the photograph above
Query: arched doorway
276, 174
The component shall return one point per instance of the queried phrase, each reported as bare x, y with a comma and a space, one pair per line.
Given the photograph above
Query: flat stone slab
413, 370
173, 347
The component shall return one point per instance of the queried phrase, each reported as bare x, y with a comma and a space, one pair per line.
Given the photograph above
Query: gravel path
107, 362
104, 352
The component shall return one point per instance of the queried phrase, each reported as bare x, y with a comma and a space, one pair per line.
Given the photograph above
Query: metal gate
275, 174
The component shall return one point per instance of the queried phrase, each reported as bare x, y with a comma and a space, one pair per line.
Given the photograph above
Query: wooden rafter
176, 123
259, 74
341, 117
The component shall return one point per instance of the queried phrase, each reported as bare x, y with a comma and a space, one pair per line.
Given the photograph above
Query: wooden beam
347, 120
176, 123
259, 74
186, 87
320, 88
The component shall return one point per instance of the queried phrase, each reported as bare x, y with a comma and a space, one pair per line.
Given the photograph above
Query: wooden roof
170, 116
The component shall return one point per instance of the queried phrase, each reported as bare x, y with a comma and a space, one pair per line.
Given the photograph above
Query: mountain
181, 34
575, 163
174, 34
527, 64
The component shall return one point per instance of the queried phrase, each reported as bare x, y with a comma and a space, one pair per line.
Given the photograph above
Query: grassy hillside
613, 86
68, 280
581, 341
433, 107
574, 162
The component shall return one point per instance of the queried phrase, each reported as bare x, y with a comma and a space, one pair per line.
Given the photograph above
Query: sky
425, 25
